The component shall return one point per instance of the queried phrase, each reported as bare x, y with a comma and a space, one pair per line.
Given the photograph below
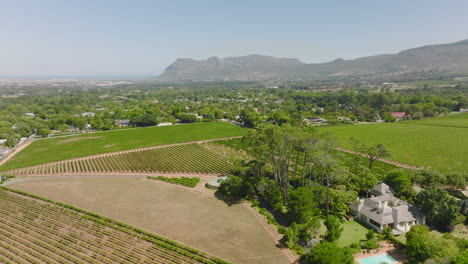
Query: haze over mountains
433, 60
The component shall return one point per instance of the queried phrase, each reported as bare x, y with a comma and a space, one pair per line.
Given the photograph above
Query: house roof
381, 189
387, 209
398, 114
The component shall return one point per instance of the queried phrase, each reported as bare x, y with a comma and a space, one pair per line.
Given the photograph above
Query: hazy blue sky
133, 37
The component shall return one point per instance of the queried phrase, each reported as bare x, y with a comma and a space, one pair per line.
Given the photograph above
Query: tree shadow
228, 201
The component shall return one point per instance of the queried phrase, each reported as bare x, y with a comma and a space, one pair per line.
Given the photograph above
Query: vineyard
37, 230
179, 158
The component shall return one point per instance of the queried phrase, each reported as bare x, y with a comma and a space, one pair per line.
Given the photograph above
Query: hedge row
185, 181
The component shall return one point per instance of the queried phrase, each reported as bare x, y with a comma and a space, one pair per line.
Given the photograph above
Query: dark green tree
328, 253
440, 208
334, 229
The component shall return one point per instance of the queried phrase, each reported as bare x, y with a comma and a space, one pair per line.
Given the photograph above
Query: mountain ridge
449, 58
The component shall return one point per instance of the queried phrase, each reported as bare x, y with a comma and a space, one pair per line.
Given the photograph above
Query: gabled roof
387, 209
381, 189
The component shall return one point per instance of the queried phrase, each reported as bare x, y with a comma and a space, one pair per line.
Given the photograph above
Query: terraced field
176, 158
34, 230
63, 148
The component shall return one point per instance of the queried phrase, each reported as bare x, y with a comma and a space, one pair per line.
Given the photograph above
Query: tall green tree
376, 152
328, 253
334, 229
440, 208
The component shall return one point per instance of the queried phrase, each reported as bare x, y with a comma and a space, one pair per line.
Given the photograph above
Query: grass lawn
353, 232
438, 143
61, 148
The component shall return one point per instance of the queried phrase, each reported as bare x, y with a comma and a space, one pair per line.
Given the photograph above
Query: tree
400, 181
233, 187
461, 258
144, 120
376, 152
188, 118
301, 205
334, 229
428, 178
457, 180
421, 245
357, 146
327, 253
440, 208
250, 117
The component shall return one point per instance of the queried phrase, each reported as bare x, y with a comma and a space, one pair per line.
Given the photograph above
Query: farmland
185, 215
34, 230
61, 148
179, 158
438, 143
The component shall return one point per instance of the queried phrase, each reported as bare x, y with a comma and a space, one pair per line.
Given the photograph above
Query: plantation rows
35, 231
181, 158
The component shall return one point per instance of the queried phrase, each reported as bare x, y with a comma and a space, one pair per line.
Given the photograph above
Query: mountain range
426, 60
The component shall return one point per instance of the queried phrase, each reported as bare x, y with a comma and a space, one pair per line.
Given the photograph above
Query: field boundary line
270, 230
392, 162
15, 151
200, 175
109, 154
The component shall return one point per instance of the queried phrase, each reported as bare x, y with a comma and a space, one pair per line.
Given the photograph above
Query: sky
141, 38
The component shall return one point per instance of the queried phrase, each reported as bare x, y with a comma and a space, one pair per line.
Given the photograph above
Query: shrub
185, 181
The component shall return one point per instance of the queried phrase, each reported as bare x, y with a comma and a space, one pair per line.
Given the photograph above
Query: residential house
463, 110
385, 210
398, 115
88, 114
122, 122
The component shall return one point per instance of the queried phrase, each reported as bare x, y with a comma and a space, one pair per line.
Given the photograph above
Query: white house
386, 210
463, 110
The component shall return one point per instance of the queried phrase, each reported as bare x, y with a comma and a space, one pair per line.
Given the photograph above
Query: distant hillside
444, 58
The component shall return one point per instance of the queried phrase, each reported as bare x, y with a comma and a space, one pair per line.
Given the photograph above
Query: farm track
16, 150
64, 163
392, 162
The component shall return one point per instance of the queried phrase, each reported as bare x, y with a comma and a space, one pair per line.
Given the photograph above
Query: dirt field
193, 217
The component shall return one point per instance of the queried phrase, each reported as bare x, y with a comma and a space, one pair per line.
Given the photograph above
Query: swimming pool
377, 259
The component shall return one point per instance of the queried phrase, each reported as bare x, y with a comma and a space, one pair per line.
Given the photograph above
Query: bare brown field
193, 217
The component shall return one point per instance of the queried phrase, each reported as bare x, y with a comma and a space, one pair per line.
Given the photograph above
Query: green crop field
38, 230
438, 143
180, 158
56, 149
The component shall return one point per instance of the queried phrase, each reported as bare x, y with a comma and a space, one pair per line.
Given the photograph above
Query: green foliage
326, 253
387, 232
185, 181
334, 229
144, 120
440, 208
370, 235
421, 245
458, 180
428, 178
400, 181
250, 117
188, 118
301, 205
273, 195
234, 187
461, 258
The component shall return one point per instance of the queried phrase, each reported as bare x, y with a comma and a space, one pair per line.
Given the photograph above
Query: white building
386, 210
